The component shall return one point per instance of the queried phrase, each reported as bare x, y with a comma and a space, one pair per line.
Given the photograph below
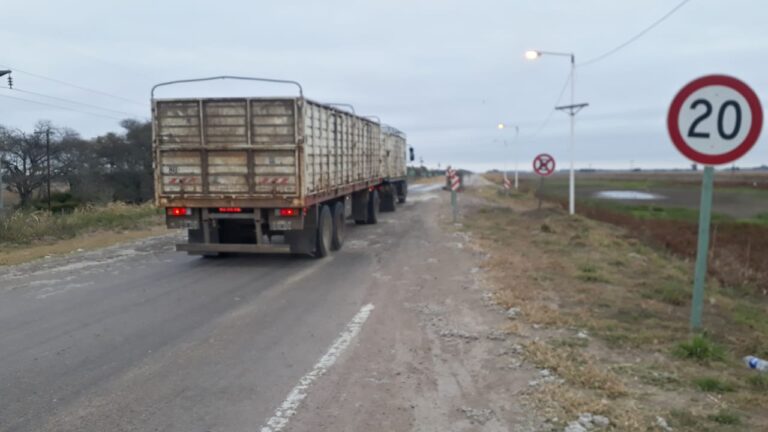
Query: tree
127, 160
111, 167
24, 158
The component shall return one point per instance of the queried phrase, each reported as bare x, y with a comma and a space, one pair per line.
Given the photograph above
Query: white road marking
288, 408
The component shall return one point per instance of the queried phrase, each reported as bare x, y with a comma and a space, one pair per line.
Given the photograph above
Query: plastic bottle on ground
756, 363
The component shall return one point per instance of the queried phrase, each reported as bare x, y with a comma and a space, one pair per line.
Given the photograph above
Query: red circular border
741, 149
554, 164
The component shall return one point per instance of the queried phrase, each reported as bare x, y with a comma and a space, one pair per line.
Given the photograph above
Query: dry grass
570, 273
575, 367
24, 227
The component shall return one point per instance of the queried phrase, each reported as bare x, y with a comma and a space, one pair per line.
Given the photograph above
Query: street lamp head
532, 54
500, 126
4, 72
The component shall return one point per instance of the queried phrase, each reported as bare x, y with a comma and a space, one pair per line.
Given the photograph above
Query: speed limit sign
715, 120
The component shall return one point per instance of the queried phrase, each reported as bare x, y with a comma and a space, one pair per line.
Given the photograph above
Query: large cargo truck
271, 174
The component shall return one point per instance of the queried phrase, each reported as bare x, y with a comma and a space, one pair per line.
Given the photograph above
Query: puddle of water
628, 195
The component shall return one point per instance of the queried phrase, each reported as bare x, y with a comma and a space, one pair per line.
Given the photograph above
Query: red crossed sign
544, 165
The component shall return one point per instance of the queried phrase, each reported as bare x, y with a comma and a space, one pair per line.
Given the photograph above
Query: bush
713, 385
61, 202
725, 417
701, 349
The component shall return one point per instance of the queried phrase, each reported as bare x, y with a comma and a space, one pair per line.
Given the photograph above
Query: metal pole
506, 170
541, 189
572, 178
453, 204
517, 136
48, 162
702, 252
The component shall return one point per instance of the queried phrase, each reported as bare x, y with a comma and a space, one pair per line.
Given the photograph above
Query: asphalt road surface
137, 337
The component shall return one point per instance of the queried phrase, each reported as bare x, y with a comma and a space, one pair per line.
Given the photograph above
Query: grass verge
573, 275
25, 227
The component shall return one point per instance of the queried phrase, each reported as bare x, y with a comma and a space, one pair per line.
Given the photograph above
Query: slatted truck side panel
264, 174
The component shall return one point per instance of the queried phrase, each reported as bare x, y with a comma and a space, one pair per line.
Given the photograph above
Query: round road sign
544, 165
715, 120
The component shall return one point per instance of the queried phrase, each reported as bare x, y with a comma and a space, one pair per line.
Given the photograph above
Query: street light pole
572, 110
572, 175
502, 126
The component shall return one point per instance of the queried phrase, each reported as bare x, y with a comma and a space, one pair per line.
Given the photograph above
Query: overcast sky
445, 72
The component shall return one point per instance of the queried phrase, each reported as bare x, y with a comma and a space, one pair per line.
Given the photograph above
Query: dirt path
434, 355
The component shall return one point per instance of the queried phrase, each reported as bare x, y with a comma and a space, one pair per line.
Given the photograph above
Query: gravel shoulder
435, 355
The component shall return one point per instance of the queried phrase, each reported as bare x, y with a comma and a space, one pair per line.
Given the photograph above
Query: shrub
701, 349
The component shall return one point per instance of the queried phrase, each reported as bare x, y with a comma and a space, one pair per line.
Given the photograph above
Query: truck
271, 174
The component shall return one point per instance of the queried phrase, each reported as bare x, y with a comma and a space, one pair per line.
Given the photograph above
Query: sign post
543, 165
454, 181
713, 120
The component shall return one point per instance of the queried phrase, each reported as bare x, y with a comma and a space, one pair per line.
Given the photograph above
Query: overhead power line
635, 37
59, 107
552, 111
103, 93
70, 101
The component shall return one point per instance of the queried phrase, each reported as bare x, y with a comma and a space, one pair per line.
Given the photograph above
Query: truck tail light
289, 212
178, 211
230, 210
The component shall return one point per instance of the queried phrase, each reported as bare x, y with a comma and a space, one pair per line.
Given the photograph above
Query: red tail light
230, 210
289, 212
178, 211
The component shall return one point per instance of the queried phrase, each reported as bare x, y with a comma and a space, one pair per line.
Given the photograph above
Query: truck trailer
271, 174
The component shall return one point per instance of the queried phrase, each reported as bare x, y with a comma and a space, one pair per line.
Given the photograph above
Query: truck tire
402, 192
324, 232
373, 207
388, 199
339, 226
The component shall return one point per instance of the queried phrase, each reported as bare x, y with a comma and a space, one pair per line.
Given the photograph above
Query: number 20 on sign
713, 120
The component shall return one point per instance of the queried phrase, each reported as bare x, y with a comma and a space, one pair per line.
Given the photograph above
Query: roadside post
507, 183
454, 181
543, 165
713, 120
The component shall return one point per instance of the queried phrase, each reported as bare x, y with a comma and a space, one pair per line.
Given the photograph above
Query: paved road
138, 337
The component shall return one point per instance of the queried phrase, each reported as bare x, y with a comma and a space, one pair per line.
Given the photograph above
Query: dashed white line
288, 408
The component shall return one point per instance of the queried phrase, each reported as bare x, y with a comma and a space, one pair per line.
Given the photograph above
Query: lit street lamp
572, 110
501, 127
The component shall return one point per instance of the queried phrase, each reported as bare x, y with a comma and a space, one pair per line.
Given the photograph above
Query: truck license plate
282, 225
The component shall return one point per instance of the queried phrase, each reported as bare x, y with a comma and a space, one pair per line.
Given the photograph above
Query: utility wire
635, 37
59, 107
70, 101
73, 85
552, 112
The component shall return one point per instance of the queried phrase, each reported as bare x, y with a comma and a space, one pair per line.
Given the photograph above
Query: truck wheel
402, 192
373, 207
388, 199
324, 232
339, 228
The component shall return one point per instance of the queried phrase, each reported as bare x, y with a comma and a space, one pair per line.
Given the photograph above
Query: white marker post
713, 120
454, 181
